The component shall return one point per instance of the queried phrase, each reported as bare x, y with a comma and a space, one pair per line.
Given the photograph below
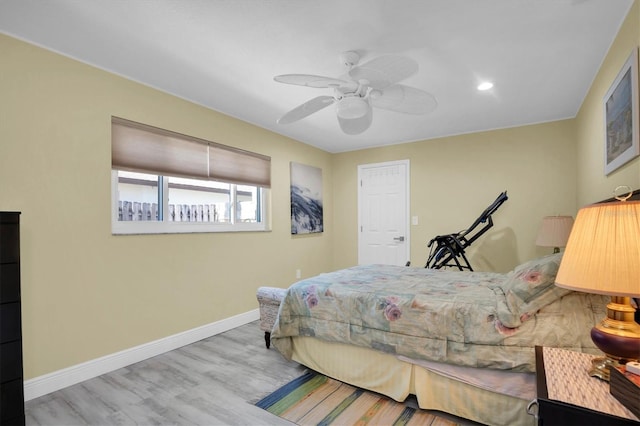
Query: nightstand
567, 395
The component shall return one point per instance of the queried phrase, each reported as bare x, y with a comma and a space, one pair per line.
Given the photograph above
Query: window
165, 182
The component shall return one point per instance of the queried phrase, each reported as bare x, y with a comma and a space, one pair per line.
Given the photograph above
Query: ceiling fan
372, 84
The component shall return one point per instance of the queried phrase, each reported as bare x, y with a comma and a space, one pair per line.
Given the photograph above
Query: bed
462, 342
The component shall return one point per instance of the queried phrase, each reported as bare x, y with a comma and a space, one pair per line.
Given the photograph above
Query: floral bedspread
477, 319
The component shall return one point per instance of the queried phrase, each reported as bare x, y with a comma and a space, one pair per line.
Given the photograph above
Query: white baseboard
42, 385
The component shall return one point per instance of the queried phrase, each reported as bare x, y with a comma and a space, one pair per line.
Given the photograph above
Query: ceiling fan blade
309, 80
306, 109
401, 98
384, 71
355, 126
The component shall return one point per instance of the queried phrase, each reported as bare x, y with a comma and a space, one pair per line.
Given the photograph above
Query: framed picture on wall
306, 199
621, 117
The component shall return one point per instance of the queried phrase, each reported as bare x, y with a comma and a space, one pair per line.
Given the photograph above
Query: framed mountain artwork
306, 199
621, 117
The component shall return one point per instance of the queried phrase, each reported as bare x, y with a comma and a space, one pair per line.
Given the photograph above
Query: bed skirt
395, 378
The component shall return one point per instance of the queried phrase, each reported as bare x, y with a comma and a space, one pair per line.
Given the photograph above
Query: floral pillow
531, 286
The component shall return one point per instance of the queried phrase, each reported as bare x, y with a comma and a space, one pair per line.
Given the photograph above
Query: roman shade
142, 148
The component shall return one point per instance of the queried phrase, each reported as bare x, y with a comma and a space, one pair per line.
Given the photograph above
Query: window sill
143, 228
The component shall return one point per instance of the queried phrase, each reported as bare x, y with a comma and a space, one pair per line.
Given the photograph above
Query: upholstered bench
269, 299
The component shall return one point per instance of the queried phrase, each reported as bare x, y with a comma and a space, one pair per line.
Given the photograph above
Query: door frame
407, 231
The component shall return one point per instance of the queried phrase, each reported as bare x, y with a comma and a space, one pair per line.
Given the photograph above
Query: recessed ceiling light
485, 86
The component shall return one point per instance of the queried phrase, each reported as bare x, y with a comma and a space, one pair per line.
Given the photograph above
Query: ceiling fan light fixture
486, 85
352, 107
373, 84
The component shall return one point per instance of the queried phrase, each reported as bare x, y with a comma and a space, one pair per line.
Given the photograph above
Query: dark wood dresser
11, 379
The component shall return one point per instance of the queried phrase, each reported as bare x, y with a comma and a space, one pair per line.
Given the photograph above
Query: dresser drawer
10, 325
10, 361
9, 242
11, 401
9, 282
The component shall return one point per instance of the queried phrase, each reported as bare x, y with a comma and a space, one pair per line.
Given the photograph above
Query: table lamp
554, 232
603, 256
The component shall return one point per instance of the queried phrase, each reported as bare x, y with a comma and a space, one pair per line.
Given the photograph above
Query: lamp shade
554, 231
603, 252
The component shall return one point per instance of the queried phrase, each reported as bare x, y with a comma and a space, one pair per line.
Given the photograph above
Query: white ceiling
542, 55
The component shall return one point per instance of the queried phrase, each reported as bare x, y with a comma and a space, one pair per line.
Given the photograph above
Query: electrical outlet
298, 273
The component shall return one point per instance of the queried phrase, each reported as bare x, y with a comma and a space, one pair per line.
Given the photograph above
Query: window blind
143, 148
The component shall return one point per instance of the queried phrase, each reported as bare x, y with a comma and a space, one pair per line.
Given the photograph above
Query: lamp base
618, 336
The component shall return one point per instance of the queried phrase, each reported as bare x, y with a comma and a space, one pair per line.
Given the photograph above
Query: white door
383, 213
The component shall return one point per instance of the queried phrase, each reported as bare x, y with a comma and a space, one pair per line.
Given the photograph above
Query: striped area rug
314, 399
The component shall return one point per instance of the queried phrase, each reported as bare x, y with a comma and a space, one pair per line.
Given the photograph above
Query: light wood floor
211, 382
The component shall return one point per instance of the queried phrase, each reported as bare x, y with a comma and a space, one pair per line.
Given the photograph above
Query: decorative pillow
531, 286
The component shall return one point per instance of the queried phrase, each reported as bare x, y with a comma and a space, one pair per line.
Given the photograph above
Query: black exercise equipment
448, 250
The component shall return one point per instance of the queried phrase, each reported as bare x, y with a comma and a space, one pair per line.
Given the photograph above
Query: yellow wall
593, 185
454, 179
87, 293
